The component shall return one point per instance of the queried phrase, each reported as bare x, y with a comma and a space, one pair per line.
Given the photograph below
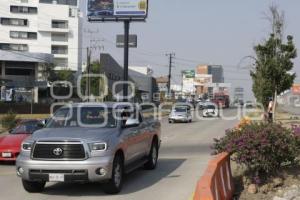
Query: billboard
188, 74
188, 85
117, 9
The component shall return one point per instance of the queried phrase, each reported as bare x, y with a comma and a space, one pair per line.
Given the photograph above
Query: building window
23, 35
59, 37
23, 9
19, 72
59, 24
62, 2
14, 47
59, 49
14, 21
73, 12
20, 68
61, 62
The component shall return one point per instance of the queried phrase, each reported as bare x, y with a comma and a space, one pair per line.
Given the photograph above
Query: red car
10, 145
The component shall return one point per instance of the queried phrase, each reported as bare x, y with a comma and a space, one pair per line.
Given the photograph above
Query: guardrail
217, 181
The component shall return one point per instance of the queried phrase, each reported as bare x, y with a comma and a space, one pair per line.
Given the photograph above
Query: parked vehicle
89, 143
10, 145
210, 110
180, 113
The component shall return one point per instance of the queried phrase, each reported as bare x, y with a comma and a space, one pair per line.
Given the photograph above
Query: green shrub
262, 147
9, 120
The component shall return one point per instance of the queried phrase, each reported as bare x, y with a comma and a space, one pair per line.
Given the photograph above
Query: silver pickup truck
89, 142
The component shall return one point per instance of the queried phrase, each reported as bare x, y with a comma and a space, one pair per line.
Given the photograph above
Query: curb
216, 182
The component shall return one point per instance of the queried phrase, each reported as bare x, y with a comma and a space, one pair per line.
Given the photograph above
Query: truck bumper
85, 170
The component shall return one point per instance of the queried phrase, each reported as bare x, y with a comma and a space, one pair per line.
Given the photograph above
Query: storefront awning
19, 56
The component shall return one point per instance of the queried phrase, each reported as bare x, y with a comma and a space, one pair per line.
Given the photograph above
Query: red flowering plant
261, 147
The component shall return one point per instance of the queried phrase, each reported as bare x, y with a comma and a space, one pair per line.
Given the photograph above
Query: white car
210, 110
180, 114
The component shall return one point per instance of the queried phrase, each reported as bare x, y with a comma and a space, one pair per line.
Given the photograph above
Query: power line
188, 60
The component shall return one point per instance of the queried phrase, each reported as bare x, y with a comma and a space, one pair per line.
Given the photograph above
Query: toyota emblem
57, 151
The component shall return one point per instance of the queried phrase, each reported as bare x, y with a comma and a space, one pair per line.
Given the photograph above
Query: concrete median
216, 182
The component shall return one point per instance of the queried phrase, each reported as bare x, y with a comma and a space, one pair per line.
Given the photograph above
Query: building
140, 76
146, 70
43, 26
162, 83
216, 71
201, 83
238, 94
208, 78
38, 32
177, 90
21, 72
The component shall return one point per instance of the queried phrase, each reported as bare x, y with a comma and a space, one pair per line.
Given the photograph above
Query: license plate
6, 155
56, 177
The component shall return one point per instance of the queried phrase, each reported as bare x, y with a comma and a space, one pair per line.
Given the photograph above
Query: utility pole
126, 58
88, 66
182, 83
171, 56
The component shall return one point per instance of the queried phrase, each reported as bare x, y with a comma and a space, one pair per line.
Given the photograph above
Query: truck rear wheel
33, 186
114, 185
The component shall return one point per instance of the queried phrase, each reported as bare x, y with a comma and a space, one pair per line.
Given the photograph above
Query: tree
51, 75
65, 75
274, 56
47, 71
97, 85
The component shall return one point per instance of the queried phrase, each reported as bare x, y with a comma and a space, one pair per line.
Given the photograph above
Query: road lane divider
216, 182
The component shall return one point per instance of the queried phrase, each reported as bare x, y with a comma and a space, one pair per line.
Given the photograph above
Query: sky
198, 32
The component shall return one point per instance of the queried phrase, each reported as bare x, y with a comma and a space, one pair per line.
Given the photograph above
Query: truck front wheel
33, 186
114, 185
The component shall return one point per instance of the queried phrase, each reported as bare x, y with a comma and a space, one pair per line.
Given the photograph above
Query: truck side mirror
40, 125
131, 122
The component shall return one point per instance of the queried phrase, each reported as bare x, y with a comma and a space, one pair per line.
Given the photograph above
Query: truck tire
33, 186
153, 157
114, 185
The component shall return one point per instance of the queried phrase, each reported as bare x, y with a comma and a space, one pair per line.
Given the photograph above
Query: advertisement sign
108, 9
188, 74
188, 85
132, 41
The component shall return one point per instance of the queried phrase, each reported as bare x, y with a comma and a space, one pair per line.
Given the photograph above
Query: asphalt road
184, 154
